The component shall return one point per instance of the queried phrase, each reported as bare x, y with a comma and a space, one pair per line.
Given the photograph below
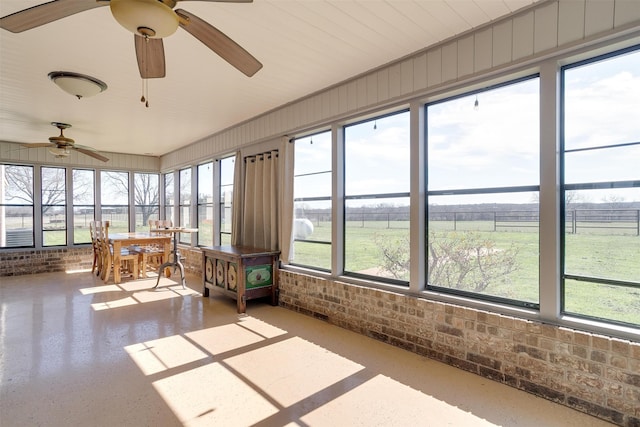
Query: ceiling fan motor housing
148, 18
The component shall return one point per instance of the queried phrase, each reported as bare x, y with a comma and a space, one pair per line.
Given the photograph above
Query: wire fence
577, 221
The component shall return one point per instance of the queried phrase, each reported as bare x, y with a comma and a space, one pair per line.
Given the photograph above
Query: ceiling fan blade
150, 55
218, 42
90, 152
44, 13
38, 144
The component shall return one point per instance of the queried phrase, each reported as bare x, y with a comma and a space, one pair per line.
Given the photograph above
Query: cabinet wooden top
240, 251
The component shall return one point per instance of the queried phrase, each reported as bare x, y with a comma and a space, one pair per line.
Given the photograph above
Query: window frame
24, 205
152, 206
224, 236
125, 174
83, 205
472, 191
206, 205
371, 196
168, 188
185, 210
577, 186
44, 231
329, 198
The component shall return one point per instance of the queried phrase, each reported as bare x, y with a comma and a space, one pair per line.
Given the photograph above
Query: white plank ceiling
304, 45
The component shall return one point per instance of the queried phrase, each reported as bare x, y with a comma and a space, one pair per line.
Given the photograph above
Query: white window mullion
37, 206
549, 191
132, 202
337, 195
417, 198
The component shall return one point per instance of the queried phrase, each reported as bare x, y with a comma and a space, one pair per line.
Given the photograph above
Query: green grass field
611, 256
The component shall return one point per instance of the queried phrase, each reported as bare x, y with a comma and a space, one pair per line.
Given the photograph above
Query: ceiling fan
61, 146
150, 21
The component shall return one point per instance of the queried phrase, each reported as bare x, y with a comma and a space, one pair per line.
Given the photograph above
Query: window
169, 201
376, 186
54, 207
483, 194
205, 204
83, 204
312, 201
227, 171
16, 206
146, 199
601, 138
184, 180
115, 200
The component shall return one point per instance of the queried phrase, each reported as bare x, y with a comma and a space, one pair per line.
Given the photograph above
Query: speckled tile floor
77, 352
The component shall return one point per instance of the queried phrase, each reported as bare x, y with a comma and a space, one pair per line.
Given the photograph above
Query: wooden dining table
121, 240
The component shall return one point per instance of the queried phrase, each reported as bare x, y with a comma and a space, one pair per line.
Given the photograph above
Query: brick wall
17, 263
592, 373
192, 260
29, 261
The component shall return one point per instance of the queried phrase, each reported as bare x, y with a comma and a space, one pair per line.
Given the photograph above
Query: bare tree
146, 194
464, 261
19, 185
83, 187
395, 254
53, 189
145, 191
467, 261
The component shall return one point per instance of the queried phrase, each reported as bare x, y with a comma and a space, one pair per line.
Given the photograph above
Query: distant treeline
474, 212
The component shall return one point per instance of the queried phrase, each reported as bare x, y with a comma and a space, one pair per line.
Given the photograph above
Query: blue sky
497, 144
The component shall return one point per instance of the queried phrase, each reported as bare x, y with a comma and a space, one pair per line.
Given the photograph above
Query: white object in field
302, 228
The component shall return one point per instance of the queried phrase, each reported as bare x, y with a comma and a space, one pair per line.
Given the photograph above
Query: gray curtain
263, 200
259, 222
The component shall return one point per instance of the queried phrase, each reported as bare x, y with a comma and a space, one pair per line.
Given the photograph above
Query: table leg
174, 263
167, 255
181, 267
117, 247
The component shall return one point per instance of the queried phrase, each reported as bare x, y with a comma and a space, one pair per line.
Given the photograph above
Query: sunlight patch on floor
260, 376
106, 305
84, 270
164, 353
141, 291
100, 289
226, 401
221, 339
224, 338
283, 369
375, 402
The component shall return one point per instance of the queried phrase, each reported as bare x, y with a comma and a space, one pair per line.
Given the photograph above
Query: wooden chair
95, 230
151, 257
128, 258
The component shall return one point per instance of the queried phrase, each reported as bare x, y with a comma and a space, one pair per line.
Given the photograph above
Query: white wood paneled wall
547, 28
14, 153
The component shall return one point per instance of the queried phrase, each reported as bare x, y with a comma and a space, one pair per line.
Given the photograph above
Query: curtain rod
261, 156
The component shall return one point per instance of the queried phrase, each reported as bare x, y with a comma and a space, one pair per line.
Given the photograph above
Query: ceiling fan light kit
148, 18
61, 146
78, 85
59, 153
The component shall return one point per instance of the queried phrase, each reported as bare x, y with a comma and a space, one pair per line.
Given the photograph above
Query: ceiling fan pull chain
145, 91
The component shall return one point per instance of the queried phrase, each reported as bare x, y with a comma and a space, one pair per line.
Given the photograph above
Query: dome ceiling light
76, 84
